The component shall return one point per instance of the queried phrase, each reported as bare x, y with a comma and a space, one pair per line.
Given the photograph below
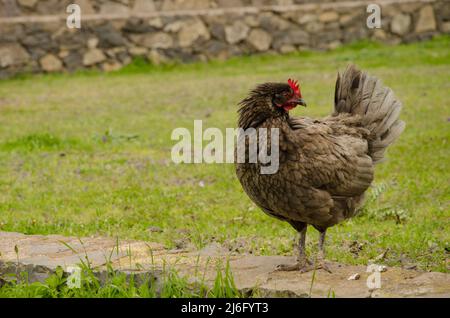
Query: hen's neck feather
255, 111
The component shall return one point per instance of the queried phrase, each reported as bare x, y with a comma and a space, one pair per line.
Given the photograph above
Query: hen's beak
301, 101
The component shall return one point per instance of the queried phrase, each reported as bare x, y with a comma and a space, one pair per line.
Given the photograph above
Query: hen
325, 165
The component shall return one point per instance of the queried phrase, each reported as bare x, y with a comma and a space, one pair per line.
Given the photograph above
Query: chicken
325, 165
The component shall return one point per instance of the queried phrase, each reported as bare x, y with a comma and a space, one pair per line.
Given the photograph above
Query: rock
400, 24
85, 6
93, 56
271, 22
73, 60
63, 53
306, 18
217, 31
286, 48
334, 45
143, 6
175, 26
426, 21
346, 19
51, 63
92, 43
445, 27
137, 51
355, 276
185, 5
158, 40
251, 20
191, 32
260, 39
39, 39
137, 25
156, 23
314, 27
109, 36
12, 54
27, 3
156, 58
230, 3
329, 16
216, 50
379, 34
114, 8
236, 32
111, 66
291, 37
284, 2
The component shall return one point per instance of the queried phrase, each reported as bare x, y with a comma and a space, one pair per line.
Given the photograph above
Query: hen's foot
323, 265
301, 266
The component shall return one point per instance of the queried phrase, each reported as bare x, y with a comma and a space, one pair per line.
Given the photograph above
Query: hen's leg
321, 255
302, 263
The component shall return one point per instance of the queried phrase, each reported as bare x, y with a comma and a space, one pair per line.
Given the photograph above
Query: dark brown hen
325, 165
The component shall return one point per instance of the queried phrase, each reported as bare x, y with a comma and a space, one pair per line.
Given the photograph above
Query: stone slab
254, 275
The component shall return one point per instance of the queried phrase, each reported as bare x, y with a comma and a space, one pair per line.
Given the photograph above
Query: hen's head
271, 99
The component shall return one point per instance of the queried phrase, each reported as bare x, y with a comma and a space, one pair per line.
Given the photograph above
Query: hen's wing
333, 155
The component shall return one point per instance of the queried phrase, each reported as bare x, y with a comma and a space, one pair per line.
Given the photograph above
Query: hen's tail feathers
361, 94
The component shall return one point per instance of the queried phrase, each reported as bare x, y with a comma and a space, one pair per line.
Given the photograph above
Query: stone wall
34, 36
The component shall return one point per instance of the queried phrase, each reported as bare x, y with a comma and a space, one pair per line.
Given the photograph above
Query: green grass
89, 154
114, 284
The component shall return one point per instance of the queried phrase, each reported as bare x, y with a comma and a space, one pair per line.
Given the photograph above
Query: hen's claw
302, 267
324, 266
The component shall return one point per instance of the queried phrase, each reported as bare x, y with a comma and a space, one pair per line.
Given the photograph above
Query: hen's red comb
295, 87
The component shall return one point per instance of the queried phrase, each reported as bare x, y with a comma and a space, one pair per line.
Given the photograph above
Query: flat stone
426, 21
445, 27
39, 255
286, 48
27, 3
111, 66
304, 18
85, 6
156, 22
192, 31
157, 40
13, 54
51, 63
400, 24
93, 56
230, 3
114, 8
138, 51
143, 6
109, 35
92, 43
329, 16
185, 5
236, 32
272, 22
156, 57
259, 39
291, 37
